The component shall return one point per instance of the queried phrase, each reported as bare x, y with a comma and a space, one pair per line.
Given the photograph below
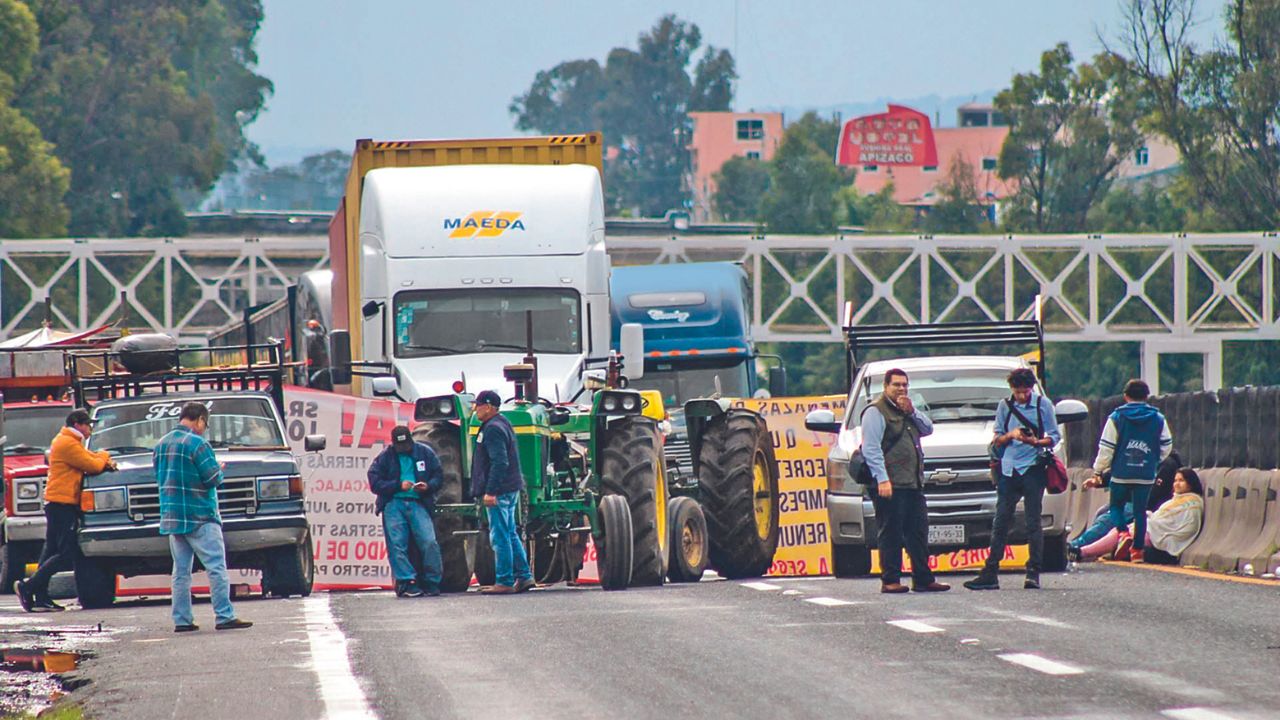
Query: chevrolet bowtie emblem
942, 477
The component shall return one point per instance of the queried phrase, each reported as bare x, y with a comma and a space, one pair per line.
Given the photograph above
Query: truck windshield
943, 395
453, 322
30, 430
138, 426
679, 382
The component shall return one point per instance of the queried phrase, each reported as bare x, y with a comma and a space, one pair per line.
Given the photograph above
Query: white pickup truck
960, 394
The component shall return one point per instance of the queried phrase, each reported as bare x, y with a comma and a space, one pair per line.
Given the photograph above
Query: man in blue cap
495, 476
406, 477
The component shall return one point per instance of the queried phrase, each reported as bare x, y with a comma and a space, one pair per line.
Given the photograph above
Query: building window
974, 119
998, 119
870, 168
988, 163
753, 155
750, 129
1142, 156
931, 168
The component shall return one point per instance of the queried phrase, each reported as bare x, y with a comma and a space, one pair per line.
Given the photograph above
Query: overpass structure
1184, 294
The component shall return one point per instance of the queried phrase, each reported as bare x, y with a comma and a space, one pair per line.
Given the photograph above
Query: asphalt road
1104, 642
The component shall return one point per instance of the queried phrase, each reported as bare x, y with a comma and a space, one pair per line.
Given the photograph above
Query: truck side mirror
385, 386
632, 345
314, 443
340, 357
370, 309
777, 381
1069, 411
822, 421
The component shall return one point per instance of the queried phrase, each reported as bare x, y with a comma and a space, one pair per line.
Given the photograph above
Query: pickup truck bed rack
860, 338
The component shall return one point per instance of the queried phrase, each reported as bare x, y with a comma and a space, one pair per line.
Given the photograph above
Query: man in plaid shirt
188, 473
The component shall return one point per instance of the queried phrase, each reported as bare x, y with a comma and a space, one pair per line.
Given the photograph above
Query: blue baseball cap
488, 397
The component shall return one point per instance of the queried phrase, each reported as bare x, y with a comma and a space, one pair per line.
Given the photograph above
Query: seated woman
1170, 528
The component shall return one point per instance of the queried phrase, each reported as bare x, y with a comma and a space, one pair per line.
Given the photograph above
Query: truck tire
688, 541
95, 583
738, 477
454, 552
631, 466
14, 557
289, 570
614, 546
1055, 557
850, 561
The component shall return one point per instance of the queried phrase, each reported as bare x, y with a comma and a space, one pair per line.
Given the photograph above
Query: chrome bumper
145, 541
853, 517
22, 528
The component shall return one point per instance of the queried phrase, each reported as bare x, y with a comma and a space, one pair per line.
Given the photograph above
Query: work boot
1032, 582
411, 589
893, 588
988, 579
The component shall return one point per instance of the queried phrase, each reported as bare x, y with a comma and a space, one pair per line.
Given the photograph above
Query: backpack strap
1037, 429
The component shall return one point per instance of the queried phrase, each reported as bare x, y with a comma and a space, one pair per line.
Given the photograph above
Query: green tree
740, 185
876, 212
959, 210
1218, 107
640, 99
1147, 209
1069, 131
110, 91
32, 180
804, 180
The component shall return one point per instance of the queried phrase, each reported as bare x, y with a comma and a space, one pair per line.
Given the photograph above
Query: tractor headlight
609, 403
445, 406
441, 407
620, 402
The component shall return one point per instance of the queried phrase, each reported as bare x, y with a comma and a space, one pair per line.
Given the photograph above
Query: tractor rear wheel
444, 439
738, 477
631, 466
614, 546
688, 541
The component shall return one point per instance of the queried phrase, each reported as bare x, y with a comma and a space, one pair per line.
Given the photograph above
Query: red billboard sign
901, 136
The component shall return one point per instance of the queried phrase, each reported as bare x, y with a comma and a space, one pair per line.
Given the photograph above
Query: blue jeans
205, 542
511, 564
404, 520
1102, 524
1027, 485
1136, 495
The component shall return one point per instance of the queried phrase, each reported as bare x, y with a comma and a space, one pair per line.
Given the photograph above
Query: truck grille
234, 497
959, 475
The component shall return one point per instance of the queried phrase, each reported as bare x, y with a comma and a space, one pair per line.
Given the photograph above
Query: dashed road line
339, 691
761, 586
916, 626
1035, 619
1196, 713
792, 592
831, 602
1040, 664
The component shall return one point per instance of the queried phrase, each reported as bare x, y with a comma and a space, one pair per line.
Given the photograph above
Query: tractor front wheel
738, 476
631, 466
614, 548
688, 541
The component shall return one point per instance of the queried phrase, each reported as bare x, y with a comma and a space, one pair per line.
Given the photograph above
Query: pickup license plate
946, 534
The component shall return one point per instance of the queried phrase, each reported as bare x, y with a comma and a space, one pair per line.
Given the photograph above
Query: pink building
719, 136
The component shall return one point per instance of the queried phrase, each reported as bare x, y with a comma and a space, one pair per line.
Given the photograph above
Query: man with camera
1026, 429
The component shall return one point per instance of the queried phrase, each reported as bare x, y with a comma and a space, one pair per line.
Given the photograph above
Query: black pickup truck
264, 521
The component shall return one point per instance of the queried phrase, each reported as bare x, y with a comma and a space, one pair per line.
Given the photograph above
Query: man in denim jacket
405, 477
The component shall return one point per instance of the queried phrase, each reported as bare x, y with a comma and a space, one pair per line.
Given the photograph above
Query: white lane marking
1039, 664
1196, 713
339, 690
916, 626
830, 602
761, 586
792, 592
1038, 620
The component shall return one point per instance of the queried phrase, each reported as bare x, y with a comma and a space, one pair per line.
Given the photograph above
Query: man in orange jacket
69, 462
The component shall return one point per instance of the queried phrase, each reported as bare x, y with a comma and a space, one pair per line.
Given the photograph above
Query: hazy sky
406, 69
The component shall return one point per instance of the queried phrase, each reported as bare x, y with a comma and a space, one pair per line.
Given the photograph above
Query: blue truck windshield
679, 382
233, 422
944, 395
453, 322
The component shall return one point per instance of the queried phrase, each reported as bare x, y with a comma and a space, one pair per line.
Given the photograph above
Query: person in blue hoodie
495, 476
1134, 441
406, 477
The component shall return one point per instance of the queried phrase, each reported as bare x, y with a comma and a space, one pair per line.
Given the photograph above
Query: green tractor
598, 471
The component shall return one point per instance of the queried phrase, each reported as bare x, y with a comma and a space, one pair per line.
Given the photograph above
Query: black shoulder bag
859, 470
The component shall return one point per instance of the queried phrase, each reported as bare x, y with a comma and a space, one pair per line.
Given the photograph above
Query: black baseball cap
488, 397
401, 437
79, 416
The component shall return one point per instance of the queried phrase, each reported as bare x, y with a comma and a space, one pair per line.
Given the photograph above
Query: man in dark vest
891, 432
495, 476
1134, 441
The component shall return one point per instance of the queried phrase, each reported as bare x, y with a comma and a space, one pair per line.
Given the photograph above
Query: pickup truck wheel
289, 570
14, 557
738, 476
454, 548
850, 561
631, 466
614, 548
1055, 557
95, 583
688, 542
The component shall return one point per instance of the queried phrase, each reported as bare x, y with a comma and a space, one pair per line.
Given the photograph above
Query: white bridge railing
1185, 294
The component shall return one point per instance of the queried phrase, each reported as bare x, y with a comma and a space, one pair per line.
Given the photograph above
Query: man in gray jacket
891, 432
